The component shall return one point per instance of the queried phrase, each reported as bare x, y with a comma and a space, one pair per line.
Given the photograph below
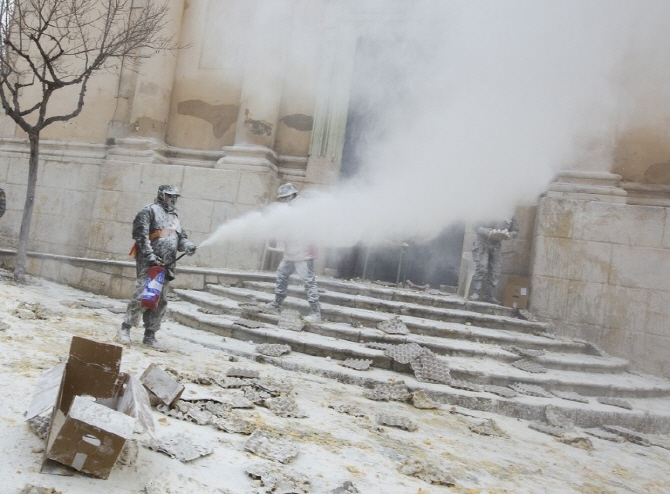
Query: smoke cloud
475, 107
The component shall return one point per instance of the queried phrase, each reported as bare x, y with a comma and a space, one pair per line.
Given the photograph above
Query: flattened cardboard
162, 385
516, 292
95, 412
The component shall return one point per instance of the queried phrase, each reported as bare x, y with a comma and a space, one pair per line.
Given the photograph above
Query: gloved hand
190, 249
154, 260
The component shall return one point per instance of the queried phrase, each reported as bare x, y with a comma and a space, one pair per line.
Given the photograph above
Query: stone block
120, 176
195, 214
549, 297
657, 305
627, 308
254, 187
95, 281
49, 200
62, 175
192, 281
620, 224
556, 217
78, 204
112, 237
572, 259
71, 275
155, 174
212, 184
50, 270
587, 302
18, 171
638, 267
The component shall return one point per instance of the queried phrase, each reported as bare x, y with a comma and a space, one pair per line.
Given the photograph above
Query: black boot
150, 340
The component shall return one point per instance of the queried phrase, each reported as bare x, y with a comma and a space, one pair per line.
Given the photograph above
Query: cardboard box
161, 385
516, 292
96, 411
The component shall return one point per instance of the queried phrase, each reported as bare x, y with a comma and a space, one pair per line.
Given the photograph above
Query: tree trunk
24, 234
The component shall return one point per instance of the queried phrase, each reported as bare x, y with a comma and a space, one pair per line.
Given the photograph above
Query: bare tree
51, 47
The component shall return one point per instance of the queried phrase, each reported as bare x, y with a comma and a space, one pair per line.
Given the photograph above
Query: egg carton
529, 366
270, 447
429, 368
396, 421
273, 349
530, 390
245, 373
468, 386
389, 391
274, 387
284, 406
503, 391
395, 325
357, 364
255, 396
352, 410
379, 346
180, 446
406, 352
571, 395
234, 425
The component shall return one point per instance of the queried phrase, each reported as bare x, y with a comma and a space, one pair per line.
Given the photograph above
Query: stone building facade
220, 119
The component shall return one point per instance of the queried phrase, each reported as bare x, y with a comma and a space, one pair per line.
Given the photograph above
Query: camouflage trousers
304, 269
150, 317
488, 264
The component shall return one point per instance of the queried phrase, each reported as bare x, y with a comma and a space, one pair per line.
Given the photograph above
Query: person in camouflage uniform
158, 237
487, 256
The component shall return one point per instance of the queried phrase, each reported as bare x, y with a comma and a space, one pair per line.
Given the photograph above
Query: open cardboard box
96, 410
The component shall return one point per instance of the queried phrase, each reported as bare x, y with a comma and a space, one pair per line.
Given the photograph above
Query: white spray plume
484, 102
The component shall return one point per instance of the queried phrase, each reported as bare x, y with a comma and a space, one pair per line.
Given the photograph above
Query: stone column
140, 120
259, 104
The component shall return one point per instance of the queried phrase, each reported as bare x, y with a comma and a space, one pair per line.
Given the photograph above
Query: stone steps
485, 350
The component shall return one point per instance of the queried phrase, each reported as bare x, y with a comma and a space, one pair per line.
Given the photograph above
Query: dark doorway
378, 85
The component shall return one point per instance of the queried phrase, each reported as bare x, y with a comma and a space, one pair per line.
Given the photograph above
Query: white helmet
285, 191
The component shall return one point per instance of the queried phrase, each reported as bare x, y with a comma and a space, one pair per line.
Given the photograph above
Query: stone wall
601, 269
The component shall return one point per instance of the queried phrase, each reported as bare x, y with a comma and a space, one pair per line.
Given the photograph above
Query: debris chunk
161, 385
290, 319
245, 373
346, 488
396, 421
488, 428
284, 406
530, 390
556, 418
426, 471
628, 434
571, 395
180, 446
420, 399
529, 366
277, 481
273, 349
268, 446
500, 390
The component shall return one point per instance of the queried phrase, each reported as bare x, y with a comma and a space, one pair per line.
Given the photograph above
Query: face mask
170, 201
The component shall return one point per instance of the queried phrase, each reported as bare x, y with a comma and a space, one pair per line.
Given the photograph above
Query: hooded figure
158, 237
487, 256
299, 258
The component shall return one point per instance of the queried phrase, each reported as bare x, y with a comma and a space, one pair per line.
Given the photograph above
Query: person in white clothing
298, 258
